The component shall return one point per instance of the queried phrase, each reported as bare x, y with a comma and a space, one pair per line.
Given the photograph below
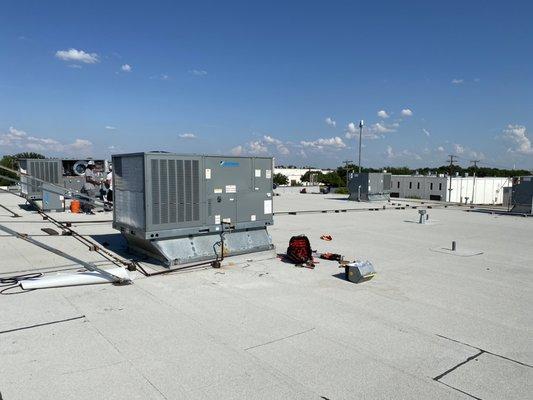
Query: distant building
294, 175
487, 190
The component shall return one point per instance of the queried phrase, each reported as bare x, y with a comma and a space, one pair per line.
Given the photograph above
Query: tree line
337, 178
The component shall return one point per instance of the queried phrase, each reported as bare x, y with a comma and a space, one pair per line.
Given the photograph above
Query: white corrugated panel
487, 190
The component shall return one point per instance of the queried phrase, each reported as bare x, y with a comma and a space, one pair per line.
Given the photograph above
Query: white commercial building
294, 175
469, 189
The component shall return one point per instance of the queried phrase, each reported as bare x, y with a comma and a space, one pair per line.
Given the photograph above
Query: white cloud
16, 133
380, 128
426, 132
440, 149
77, 56
126, 68
80, 144
459, 149
280, 146
331, 122
406, 112
237, 151
267, 144
19, 139
517, 134
374, 131
257, 147
282, 149
198, 72
332, 143
404, 154
111, 128
187, 136
271, 140
383, 114
457, 81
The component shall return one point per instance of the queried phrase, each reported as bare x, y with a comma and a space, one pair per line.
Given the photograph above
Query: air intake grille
47, 171
175, 191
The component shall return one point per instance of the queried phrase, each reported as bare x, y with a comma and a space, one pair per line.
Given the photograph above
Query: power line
453, 159
346, 163
474, 181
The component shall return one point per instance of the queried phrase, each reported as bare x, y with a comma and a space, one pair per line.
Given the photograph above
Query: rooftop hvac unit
522, 195
68, 173
370, 186
74, 172
48, 170
177, 207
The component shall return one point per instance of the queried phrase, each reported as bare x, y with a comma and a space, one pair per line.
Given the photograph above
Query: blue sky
278, 78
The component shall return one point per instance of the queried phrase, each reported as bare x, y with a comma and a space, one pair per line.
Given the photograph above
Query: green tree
317, 176
332, 179
280, 179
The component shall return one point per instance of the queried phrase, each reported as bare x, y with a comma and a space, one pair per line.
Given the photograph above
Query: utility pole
474, 182
452, 160
346, 163
361, 124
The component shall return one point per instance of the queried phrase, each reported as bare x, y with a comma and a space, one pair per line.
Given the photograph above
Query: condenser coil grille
175, 191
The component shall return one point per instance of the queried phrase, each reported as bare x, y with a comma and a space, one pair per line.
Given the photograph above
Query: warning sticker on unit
217, 219
268, 174
217, 190
227, 220
258, 173
267, 207
231, 189
208, 173
252, 217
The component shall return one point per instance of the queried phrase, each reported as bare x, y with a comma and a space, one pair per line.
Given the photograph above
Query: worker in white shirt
90, 186
109, 184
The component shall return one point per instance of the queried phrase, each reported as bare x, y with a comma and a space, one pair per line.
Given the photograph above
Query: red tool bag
299, 250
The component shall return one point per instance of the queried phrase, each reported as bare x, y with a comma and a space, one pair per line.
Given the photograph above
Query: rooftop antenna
361, 124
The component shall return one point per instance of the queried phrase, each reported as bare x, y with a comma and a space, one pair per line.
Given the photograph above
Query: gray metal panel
73, 182
387, 182
51, 200
188, 249
48, 170
128, 181
174, 194
522, 195
369, 186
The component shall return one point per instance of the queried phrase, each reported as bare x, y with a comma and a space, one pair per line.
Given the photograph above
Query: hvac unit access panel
238, 190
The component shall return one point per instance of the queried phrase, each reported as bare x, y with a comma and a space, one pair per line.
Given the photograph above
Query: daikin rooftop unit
174, 207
